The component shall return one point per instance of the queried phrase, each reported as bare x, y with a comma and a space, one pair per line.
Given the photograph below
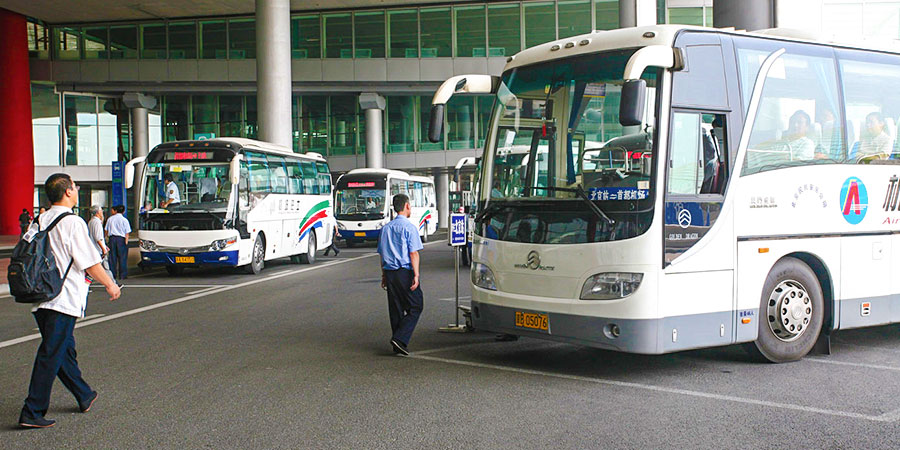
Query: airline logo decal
854, 200
314, 218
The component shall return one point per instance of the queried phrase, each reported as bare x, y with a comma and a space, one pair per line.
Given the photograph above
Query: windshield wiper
484, 212
578, 190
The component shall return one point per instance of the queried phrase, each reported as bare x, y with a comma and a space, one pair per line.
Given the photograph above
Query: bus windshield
200, 190
360, 203
557, 142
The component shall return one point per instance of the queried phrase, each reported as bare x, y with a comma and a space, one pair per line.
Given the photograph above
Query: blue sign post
456, 238
118, 184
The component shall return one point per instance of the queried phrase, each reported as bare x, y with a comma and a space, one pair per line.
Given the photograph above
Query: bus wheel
310, 256
258, 259
175, 270
425, 233
791, 312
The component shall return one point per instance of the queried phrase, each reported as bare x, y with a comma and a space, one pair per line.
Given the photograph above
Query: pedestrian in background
24, 222
75, 257
95, 229
333, 247
117, 231
399, 246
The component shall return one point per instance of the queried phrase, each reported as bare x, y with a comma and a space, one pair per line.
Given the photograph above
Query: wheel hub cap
789, 310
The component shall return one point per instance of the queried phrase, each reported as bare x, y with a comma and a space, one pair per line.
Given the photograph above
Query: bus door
698, 261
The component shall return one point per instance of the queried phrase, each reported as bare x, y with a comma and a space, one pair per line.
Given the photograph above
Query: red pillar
17, 151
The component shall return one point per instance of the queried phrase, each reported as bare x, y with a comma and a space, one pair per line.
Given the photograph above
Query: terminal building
90, 82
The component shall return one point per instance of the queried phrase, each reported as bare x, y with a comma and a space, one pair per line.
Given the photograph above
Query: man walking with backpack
75, 256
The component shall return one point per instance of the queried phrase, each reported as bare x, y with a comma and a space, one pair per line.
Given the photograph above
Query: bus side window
295, 176
324, 178
697, 157
310, 181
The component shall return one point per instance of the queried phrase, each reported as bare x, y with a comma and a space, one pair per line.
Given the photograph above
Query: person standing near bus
70, 244
399, 246
173, 196
117, 230
24, 222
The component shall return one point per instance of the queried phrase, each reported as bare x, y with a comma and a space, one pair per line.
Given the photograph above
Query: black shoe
336, 251
85, 406
35, 422
399, 348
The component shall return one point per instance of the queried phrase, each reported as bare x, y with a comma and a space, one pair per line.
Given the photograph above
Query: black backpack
33, 276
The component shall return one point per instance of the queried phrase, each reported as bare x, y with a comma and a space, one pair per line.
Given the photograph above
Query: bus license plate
360, 234
184, 260
533, 320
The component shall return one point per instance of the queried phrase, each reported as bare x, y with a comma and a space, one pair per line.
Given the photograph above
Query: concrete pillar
442, 189
373, 105
273, 71
138, 104
637, 13
17, 151
747, 15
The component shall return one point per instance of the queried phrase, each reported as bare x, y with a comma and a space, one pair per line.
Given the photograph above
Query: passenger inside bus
796, 138
874, 142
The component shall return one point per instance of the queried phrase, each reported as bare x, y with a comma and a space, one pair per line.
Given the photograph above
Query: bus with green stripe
363, 203
231, 202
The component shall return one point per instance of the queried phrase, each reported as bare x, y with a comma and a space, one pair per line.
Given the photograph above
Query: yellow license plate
184, 260
533, 320
360, 234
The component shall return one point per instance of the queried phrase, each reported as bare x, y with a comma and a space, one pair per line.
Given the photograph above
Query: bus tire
175, 270
310, 256
257, 258
425, 233
791, 312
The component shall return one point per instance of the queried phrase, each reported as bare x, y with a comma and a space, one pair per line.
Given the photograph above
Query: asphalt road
298, 357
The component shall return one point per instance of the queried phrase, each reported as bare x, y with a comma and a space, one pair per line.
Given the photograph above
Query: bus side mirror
633, 102
234, 169
436, 124
129, 171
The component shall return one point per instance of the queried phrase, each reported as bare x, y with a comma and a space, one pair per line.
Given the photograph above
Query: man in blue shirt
399, 246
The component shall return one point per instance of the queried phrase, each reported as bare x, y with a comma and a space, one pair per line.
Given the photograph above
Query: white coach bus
363, 203
240, 202
745, 191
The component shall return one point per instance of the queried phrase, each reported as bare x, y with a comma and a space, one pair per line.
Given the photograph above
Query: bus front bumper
226, 258
360, 235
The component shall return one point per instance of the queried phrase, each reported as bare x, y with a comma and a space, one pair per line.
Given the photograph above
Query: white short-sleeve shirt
70, 242
172, 192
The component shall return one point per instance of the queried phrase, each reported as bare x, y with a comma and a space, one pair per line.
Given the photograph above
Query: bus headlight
341, 226
221, 244
611, 285
149, 246
483, 277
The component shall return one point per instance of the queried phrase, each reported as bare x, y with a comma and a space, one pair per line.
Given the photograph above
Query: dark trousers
55, 358
118, 257
404, 305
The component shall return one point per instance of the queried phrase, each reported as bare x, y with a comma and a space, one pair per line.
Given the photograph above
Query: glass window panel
425, 144
485, 103
175, 110
68, 42
343, 124
461, 122
113, 129
540, 23
212, 39
470, 31
295, 176
314, 123
684, 162
204, 116
338, 36
504, 29
369, 34
96, 41
183, 40
574, 17
401, 124
404, 26
154, 123
153, 41
250, 125
607, 14
230, 115
38, 38
870, 105
436, 32
45, 124
306, 37
259, 172
295, 121
686, 16
81, 130
242, 39
277, 174
123, 42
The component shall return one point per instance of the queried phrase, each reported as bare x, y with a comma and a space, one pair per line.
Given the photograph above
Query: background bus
363, 203
750, 199
242, 202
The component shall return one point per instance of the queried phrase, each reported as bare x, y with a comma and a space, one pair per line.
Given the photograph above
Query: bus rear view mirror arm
129, 171
634, 89
461, 84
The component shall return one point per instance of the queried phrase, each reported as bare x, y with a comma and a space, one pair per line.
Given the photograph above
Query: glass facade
45, 124
123, 42
472, 42
504, 29
540, 23
213, 36
369, 32
242, 39
700, 16
437, 32
338, 35
574, 17
404, 33
38, 40
306, 38
182, 40
153, 41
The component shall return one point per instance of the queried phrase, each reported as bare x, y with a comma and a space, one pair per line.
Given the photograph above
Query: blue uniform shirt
398, 239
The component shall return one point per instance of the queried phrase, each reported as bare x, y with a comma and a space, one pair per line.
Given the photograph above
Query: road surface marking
853, 364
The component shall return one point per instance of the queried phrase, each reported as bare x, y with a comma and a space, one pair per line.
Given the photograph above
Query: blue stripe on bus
229, 258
